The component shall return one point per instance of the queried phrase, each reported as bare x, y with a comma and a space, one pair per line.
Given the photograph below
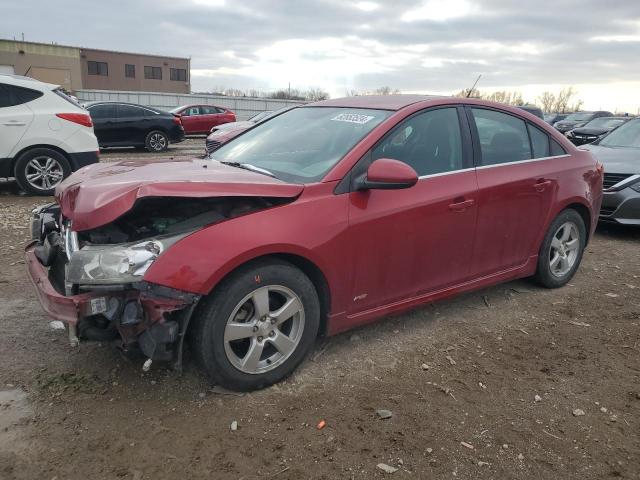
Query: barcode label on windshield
352, 118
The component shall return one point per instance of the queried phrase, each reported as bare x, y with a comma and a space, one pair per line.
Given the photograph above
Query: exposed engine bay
96, 275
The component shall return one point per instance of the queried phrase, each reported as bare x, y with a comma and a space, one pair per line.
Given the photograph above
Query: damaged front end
93, 280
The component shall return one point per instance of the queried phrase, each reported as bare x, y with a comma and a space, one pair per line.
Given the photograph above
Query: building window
153, 73
98, 68
130, 71
178, 74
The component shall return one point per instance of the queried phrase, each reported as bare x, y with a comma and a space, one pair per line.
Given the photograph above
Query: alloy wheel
564, 249
44, 172
158, 142
264, 329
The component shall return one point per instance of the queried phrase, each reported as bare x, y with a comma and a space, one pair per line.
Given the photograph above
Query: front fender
313, 227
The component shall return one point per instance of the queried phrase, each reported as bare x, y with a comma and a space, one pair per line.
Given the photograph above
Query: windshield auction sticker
352, 118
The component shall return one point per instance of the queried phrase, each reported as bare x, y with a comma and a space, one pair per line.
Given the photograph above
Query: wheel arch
34, 147
585, 213
308, 267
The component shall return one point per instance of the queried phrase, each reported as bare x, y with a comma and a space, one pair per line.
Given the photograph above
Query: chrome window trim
496, 165
446, 173
523, 161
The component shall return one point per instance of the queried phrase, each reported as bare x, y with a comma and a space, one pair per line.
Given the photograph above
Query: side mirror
387, 174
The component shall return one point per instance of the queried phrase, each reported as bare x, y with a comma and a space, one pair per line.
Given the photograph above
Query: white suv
44, 134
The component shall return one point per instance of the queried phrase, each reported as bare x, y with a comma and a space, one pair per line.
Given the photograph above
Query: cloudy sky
426, 46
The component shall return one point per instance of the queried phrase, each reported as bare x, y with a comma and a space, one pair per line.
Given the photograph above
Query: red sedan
327, 217
202, 118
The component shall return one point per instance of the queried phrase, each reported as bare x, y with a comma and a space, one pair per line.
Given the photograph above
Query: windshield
302, 145
604, 122
176, 110
627, 135
579, 117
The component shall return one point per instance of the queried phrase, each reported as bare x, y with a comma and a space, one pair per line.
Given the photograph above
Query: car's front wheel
257, 326
156, 141
561, 250
41, 170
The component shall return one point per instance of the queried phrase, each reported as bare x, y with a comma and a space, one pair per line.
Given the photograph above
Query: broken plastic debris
321, 424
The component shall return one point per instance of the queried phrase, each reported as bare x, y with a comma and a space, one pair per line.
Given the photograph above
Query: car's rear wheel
257, 326
156, 141
41, 170
562, 249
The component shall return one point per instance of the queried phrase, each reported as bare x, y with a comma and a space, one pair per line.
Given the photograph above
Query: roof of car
25, 81
382, 102
113, 102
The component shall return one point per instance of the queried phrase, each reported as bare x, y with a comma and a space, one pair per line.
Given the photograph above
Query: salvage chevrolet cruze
324, 218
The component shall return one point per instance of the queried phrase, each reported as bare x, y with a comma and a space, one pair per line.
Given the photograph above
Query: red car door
190, 117
516, 187
417, 240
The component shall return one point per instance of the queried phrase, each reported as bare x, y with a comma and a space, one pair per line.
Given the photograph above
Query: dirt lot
509, 382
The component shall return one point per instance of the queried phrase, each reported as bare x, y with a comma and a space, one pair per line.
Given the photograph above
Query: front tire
156, 141
257, 326
41, 170
562, 249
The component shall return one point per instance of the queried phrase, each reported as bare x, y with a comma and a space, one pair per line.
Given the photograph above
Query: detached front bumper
152, 316
59, 307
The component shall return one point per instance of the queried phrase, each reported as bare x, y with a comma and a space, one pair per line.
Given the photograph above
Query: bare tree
547, 101
315, 94
386, 90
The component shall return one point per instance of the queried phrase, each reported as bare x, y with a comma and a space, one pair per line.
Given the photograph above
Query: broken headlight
103, 265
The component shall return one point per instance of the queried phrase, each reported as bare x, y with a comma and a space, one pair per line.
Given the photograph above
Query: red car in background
323, 218
202, 118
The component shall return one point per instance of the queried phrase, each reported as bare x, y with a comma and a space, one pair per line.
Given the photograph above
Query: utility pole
289, 96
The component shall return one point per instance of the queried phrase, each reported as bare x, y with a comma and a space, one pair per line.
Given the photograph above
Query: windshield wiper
248, 166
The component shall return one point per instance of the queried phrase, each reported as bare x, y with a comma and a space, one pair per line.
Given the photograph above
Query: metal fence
244, 107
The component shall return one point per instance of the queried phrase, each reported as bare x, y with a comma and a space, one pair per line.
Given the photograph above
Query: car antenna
474, 86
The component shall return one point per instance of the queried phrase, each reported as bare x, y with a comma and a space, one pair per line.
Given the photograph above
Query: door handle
541, 185
14, 123
461, 206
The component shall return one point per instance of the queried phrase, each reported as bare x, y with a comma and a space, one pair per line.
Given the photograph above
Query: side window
5, 98
11, 95
192, 111
557, 149
209, 110
129, 111
102, 111
539, 142
503, 138
429, 142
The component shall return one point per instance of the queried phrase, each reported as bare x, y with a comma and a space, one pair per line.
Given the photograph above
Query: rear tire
156, 141
41, 170
561, 251
238, 337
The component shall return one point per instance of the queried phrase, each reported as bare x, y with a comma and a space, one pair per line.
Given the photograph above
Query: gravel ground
513, 381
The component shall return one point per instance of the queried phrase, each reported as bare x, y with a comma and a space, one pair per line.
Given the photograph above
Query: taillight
177, 120
79, 118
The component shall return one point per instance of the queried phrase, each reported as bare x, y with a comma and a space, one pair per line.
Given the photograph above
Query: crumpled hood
616, 160
100, 193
